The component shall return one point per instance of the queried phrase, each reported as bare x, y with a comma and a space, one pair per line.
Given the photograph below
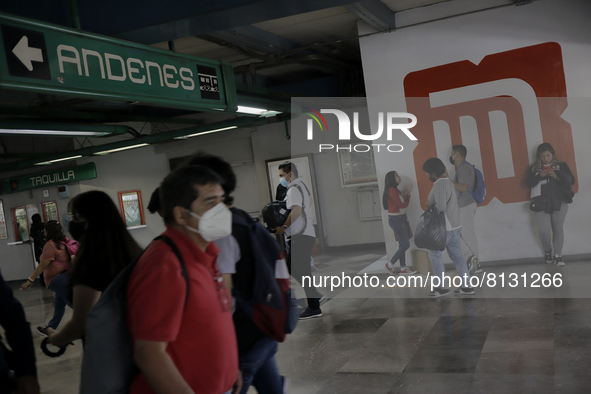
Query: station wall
500, 82
247, 150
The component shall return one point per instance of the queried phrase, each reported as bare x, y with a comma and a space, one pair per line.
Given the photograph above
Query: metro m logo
501, 108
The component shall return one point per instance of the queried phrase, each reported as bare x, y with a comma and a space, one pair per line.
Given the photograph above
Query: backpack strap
303, 214
475, 177
301, 192
166, 239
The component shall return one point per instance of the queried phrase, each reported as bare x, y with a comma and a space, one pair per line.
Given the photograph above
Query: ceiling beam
255, 39
374, 12
148, 139
105, 117
193, 18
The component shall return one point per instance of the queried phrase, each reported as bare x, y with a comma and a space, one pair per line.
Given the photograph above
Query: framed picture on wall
50, 211
3, 230
132, 209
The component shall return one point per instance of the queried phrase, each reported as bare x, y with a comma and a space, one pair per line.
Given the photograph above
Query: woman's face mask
77, 229
215, 223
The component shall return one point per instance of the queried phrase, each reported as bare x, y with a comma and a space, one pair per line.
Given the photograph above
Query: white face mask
215, 223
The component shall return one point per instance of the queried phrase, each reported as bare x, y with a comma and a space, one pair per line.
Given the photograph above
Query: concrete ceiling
280, 47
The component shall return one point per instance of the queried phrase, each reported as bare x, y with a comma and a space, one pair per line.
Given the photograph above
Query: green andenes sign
46, 58
57, 177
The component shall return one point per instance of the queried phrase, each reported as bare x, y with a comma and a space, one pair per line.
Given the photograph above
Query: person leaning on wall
551, 182
395, 202
106, 248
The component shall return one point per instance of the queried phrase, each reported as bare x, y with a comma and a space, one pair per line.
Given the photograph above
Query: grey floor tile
572, 362
564, 384
511, 384
443, 361
505, 340
440, 383
349, 326
523, 321
519, 361
522, 306
377, 383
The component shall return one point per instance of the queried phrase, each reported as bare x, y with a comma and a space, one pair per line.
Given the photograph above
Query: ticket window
21, 223
50, 211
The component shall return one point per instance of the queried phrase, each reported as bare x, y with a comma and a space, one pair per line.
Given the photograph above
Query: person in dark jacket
256, 351
17, 367
37, 233
551, 182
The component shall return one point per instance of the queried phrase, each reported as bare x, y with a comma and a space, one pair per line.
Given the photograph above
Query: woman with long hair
106, 247
395, 202
55, 263
551, 182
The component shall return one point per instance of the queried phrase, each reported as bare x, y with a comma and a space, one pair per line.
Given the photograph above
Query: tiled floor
398, 341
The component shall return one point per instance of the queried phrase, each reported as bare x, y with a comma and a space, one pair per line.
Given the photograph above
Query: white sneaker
285, 381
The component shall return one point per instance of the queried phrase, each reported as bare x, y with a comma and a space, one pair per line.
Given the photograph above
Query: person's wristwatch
284, 227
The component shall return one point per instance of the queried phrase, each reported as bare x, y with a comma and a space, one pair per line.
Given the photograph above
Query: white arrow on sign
26, 54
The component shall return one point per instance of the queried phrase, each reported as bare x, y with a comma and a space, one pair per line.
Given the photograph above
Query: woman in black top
551, 181
106, 247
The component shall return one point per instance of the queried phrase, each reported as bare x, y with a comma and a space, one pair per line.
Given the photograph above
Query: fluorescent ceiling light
53, 132
251, 110
106, 152
56, 160
205, 132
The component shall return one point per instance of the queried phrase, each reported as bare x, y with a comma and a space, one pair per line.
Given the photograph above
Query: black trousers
298, 263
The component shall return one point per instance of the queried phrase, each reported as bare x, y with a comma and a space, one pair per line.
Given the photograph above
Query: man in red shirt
184, 339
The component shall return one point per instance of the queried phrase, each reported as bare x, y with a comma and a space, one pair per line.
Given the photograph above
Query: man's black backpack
275, 214
270, 305
108, 366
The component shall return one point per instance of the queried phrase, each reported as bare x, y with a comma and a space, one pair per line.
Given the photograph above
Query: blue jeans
259, 368
398, 224
59, 285
454, 251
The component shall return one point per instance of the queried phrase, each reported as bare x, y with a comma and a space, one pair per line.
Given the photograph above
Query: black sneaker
558, 261
439, 293
310, 313
464, 291
548, 257
42, 330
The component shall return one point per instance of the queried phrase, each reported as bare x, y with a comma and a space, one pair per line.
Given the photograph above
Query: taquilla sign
56, 177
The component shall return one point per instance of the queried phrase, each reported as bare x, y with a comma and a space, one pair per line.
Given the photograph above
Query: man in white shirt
299, 226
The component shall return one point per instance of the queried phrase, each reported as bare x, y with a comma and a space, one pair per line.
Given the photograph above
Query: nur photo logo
388, 122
